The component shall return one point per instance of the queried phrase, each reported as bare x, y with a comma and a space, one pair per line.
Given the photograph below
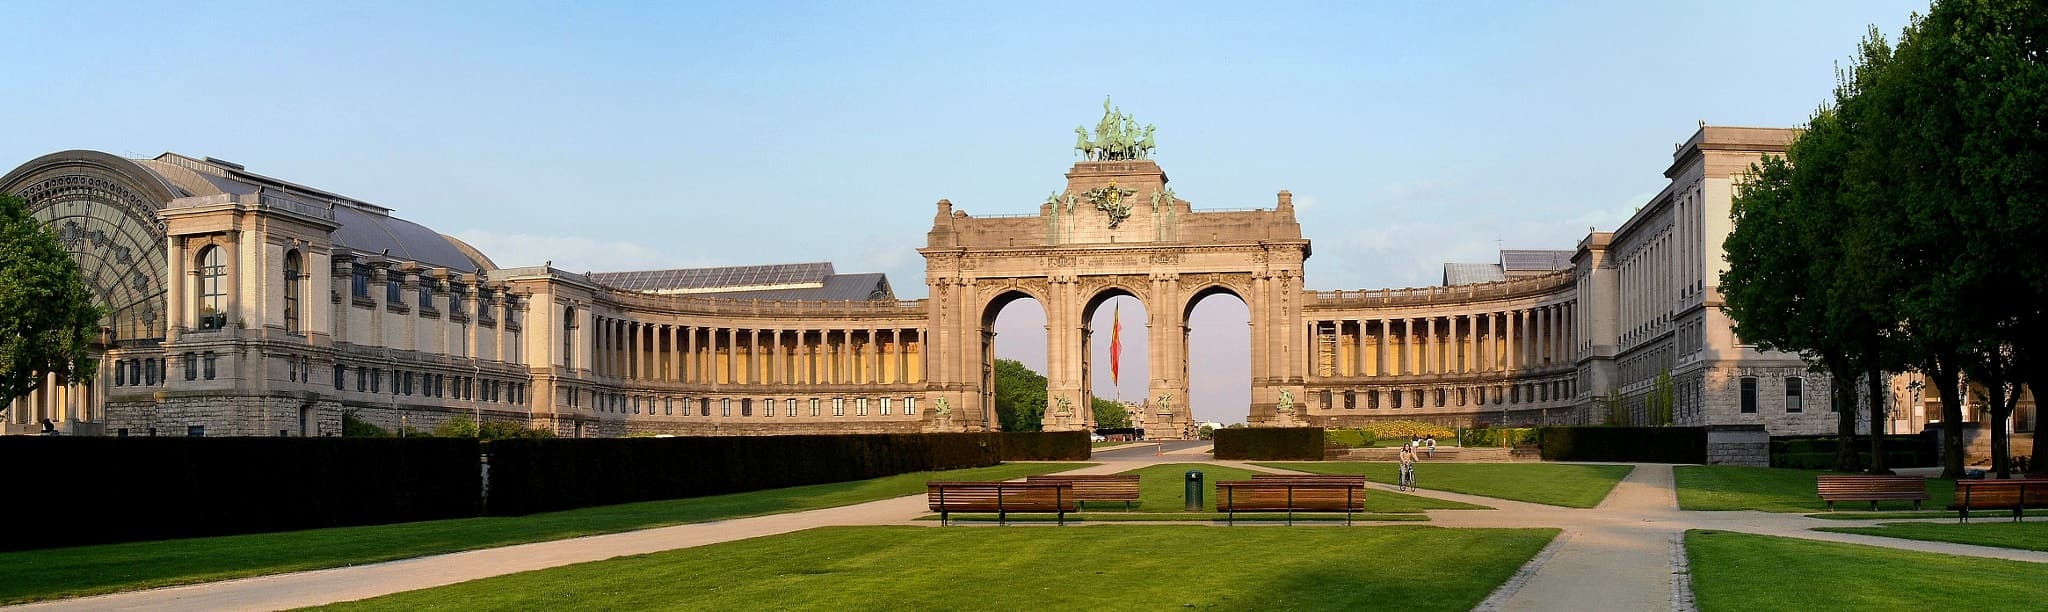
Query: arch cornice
95, 162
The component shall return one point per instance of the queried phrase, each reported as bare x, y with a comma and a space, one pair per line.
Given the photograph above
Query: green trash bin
1193, 493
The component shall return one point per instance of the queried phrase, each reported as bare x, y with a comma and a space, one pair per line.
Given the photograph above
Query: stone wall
226, 416
1739, 445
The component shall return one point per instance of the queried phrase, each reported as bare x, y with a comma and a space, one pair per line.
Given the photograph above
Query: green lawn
1032, 568
1557, 484
1732, 487
1162, 489
2000, 532
1735, 571
69, 572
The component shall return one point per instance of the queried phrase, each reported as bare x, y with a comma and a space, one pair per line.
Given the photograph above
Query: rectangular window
814, 406
359, 281
747, 407
668, 407
704, 407
860, 407
191, 366
1328, 402
1748, 395
1350, 400
725, 407
426, 298
839, 406
362, 378
1795, 399
1396, 395
393, 292
910, 406
340, 372
885, 406
120, 374
1372, 400
135, 372
1439, 398
791, 403
195, 431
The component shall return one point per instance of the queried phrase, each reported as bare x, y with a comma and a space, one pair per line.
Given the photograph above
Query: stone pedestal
1739, 445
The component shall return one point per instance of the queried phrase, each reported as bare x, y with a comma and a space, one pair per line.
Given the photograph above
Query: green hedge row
1490, 437
1350, 438
1644, 444
1046, 446
1270, 443
91, 490
541, 475
1818, 452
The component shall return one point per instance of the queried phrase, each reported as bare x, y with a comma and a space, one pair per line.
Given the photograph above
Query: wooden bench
2017, 494
1872, 489
1291, 495
1001, 498
1098, 488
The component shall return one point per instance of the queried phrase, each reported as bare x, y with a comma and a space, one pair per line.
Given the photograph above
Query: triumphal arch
1116, 228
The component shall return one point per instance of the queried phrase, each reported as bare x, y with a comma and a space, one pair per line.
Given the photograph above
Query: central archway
1115, 230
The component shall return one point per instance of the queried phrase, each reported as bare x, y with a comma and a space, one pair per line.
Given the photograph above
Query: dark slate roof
1524, 260
367, 232
705, 280
1471, 273
365, 227
802, 281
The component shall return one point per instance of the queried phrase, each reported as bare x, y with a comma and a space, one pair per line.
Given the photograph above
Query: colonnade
57, 401
1500, 341
688, 354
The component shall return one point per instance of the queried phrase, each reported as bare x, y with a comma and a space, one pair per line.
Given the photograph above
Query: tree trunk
1945, 387
1843, 395
1877, 421
2001, 445
2038, 464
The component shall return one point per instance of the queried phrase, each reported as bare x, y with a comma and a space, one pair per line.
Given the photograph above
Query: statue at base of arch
1286, 404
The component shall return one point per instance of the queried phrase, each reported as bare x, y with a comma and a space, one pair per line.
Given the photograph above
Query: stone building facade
241, 304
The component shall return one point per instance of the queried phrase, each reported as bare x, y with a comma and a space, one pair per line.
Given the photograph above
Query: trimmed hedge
1349, 438
1818, 452
1645, 444
540, 475
1046, 446
1274, 443
99, 490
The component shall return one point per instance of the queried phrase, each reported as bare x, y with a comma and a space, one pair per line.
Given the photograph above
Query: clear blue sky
643, 135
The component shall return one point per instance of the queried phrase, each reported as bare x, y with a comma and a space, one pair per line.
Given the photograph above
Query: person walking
1407, 467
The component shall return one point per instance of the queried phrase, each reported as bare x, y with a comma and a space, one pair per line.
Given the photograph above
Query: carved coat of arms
1111, 199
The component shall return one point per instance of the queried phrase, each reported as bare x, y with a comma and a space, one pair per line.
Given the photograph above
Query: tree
1020, 396
1111, 415
47, 319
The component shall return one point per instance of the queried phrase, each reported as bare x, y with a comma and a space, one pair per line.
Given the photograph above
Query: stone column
1379, 347
636, 361
1432, 349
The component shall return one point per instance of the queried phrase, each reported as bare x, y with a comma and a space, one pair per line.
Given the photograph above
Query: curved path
1621, 555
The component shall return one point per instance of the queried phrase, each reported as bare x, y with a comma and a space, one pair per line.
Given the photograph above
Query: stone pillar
1379, 348
636, 361
1432, 348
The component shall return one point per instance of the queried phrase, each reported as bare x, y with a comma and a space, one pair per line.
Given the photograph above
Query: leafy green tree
1111, 415
353, 426
458, 427
47, 319
1663, 398
1020, 396
1975, 97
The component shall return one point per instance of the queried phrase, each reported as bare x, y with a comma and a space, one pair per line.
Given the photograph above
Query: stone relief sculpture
1286, 401
1066, 405
1111, 199
1166, 402
1118, 137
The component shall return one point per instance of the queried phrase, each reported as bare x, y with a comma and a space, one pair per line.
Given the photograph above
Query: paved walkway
1618, 556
